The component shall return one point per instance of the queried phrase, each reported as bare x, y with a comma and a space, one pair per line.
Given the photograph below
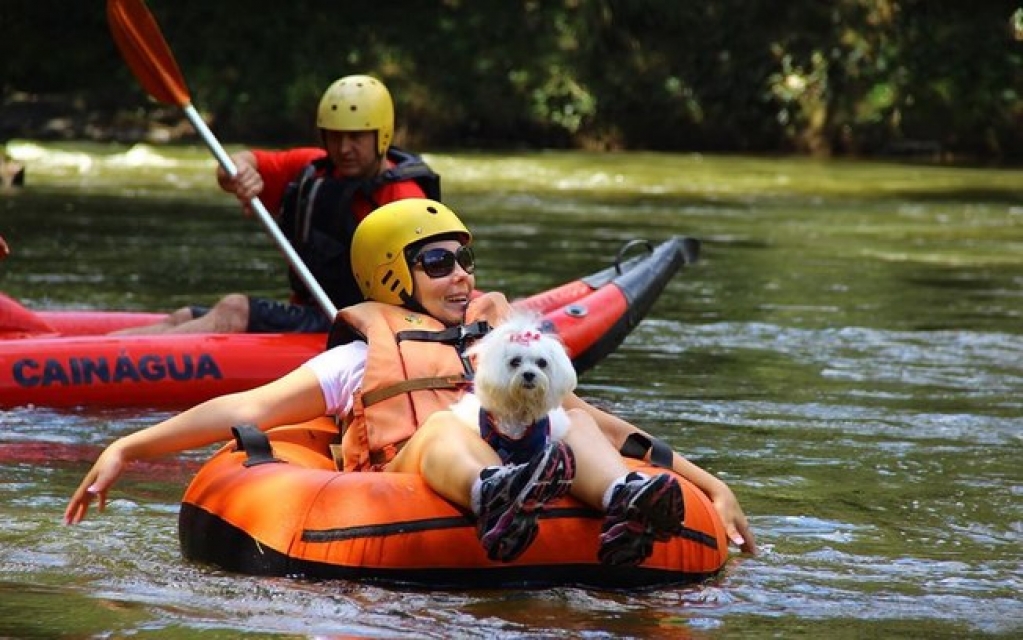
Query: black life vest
317, 218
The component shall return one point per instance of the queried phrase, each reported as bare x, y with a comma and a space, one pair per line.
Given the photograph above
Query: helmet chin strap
381, 166
410, 303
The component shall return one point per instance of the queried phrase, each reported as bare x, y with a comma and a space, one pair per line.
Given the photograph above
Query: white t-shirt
340, 372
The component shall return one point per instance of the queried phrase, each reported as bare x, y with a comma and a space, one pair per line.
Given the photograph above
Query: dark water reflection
846, 355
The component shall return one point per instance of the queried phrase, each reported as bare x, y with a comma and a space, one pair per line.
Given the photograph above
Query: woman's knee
444, 425
444, 435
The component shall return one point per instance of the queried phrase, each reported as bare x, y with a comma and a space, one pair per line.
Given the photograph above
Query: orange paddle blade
144, 49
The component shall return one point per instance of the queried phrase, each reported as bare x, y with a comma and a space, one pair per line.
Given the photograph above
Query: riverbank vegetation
933, 78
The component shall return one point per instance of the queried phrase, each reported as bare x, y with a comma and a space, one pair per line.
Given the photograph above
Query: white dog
522, 377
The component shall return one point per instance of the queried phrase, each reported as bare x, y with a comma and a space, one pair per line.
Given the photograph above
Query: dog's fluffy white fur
522, 374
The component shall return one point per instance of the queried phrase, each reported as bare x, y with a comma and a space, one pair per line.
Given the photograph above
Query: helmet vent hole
432, 209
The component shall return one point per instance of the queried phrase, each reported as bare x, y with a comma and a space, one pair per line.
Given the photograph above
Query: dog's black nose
528, 376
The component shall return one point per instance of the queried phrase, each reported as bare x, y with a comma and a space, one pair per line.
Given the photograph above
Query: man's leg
229, 315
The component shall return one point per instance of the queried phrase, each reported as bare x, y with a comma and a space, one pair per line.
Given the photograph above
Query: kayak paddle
143, 47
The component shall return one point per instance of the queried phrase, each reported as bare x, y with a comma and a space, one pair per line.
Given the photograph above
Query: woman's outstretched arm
294, 398
727, 505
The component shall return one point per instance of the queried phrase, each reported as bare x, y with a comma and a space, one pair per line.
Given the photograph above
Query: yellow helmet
358, 103
379, 259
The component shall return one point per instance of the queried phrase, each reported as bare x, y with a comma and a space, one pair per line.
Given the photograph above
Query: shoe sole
655, 514
664, 511
517, 527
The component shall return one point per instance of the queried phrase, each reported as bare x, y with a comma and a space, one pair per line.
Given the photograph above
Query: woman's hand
107, 468
736, 525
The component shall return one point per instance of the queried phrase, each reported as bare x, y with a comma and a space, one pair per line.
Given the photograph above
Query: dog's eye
541, 362
516, 362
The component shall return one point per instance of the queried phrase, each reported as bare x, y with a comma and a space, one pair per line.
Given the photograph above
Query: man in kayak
318, 196
398, 364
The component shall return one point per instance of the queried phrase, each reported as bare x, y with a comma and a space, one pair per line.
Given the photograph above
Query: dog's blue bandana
514, 451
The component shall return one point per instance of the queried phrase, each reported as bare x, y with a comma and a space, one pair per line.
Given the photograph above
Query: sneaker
512, 496
642, 511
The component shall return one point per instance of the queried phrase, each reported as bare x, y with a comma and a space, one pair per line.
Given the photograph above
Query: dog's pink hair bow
525, 337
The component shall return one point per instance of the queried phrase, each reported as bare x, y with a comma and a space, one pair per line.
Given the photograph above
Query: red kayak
65, 358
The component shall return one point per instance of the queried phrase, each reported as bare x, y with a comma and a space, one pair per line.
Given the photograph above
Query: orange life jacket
414, 367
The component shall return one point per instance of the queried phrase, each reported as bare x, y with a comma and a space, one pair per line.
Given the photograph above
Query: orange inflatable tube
290, 513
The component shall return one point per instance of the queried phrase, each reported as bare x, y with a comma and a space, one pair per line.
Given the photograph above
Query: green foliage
840, 77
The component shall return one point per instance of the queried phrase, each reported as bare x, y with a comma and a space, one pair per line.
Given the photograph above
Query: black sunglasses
439, 263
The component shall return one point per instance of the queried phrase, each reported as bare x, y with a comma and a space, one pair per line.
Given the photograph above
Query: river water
847, 355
